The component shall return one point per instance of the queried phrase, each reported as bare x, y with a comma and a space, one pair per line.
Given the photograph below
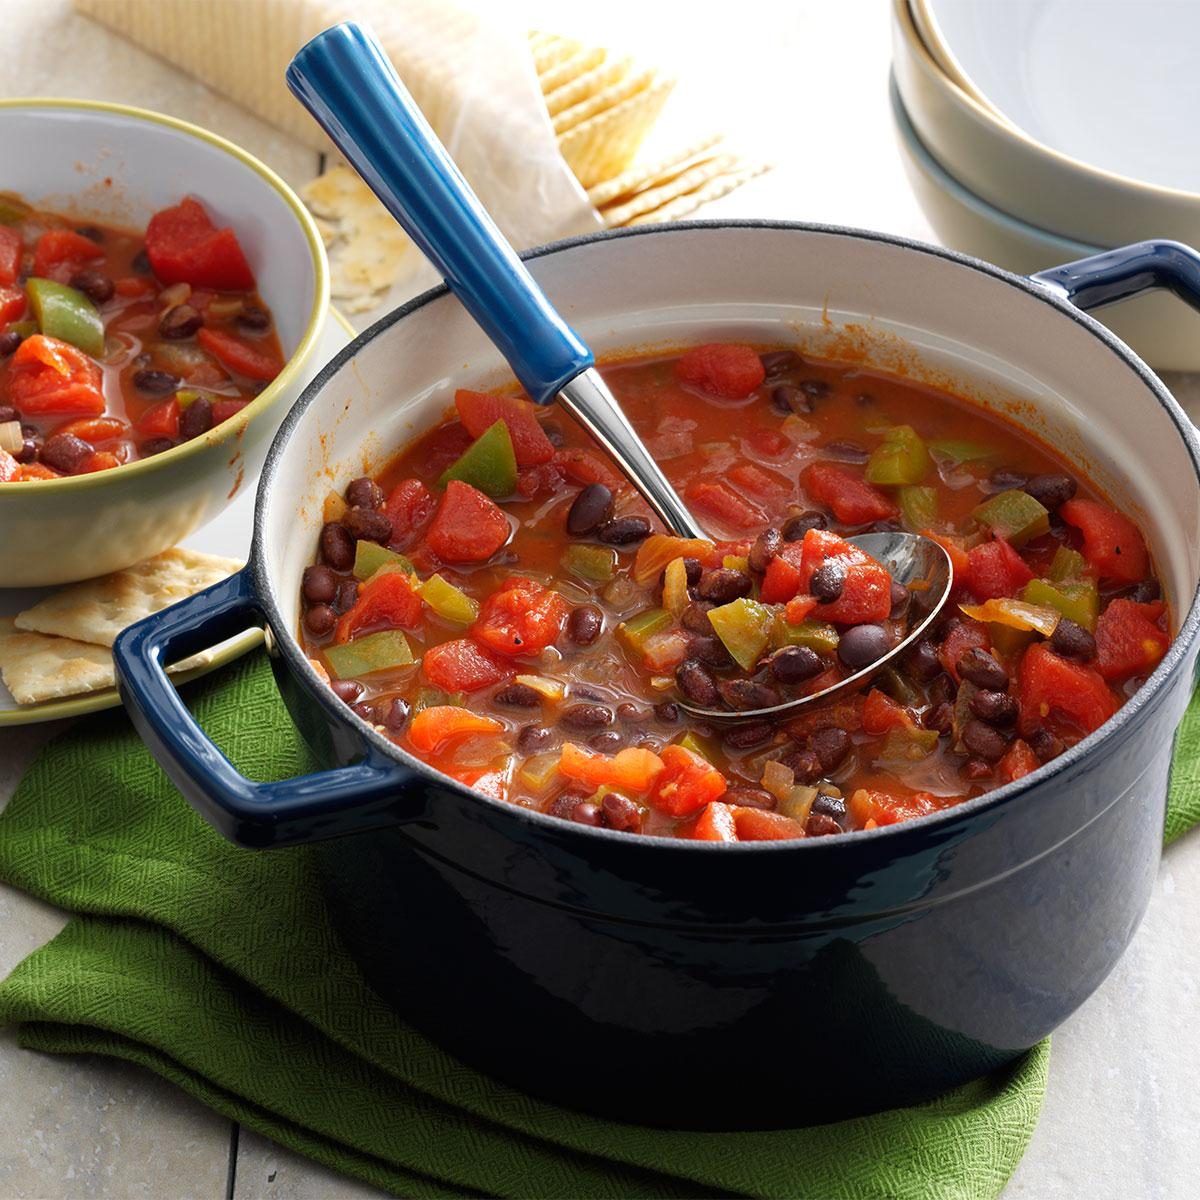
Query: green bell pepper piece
25, 328
537, 772
596, 564
488, 463
1009, 641
13, 209
1078, 600
369, 557
1013, 515
637, 631
186, 397
1067, 564
450, 603
895, 685
816, 635
744, 626
919, 506
697, 745
907, 745
958, 452
901, 458
67, 314
365, 655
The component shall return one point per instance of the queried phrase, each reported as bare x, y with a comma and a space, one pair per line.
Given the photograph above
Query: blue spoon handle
345, 80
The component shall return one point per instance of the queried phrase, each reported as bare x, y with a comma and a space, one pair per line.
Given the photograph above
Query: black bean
140, 263
887, 526
723, 584
95, 285
364, 492
347, 595
1072, 641
984, 741
667, 712
830, 745
849, 452
318, 585
779, 362
788, 399
695, 617
584, 625
1005, 479
368, 524
939, 716
607, 742
794, 528
1145, 592
795, 664
518, 695
28, 452
554, 433
253, 318
861, 645
93, 233
196, 419
337, 546
749, 797
981, 669
749, 735
9, 341
396, 716
632, 714
710, 650
977, 768
532, 738
366, 711
180, 322
831, 806
901, 598
624, 530
320, 619
696, 682
693, 570
819, 825
746, 694
592, 508
586, 813
1052, 491
586, 716
1045, 745
153, 446
827, 581
942, 690
805, 766
347, 690
155, 383
996, 708
818, 389
8, 413
766, 547
65, 452
621, 813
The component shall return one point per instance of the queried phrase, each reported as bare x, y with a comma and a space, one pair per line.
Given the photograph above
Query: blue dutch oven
684, 983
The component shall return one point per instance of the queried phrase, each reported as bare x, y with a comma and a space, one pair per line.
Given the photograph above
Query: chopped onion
778, 779
799, 804
175, 295
11, 437
335, 507
552, 689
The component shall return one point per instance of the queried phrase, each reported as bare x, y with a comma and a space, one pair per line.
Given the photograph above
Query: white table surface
805, 83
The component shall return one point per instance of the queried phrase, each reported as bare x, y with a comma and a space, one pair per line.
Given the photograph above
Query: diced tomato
867, 588
479, 411
49, 376
715, 824
409, 506
133, 285
10, 256
8, 467
1112, 543
849, 497
868, 805
723, 504
222, 410
184, 246
880, 713
1019, 760
98, 460
1066, 698
584, 467
631, 770
995, 569
1129, 640
761, 485
966, 635
770, 443
960, 560
468, 526
534, 481
687, 783
782, 578
60, 253
731, 372
845, 713
436, 728
663, 652
12, 302
386, 601
463, 666
256, 360
35, 470
758, 825
799, 608
161, 420
523, 617
95, 429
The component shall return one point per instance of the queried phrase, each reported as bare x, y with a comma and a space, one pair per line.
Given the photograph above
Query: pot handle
365, 795
1127, 271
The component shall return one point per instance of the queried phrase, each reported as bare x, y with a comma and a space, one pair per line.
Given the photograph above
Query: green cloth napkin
218, 969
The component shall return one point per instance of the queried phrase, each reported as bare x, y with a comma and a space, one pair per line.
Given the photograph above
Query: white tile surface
805, 82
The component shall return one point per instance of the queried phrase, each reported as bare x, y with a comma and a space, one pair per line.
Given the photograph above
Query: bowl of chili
162, 294
700, 963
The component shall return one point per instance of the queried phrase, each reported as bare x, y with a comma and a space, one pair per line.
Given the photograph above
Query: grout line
231, 1177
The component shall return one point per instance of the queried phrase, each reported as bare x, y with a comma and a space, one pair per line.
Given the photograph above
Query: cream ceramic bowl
1163, 331
1008, 169
119, 165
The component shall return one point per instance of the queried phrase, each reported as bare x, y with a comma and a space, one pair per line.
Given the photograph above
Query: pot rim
1143, 701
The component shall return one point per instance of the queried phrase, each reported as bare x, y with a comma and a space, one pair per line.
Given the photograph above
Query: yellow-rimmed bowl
116, 164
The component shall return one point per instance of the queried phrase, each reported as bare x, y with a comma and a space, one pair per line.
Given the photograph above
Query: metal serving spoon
344, 78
